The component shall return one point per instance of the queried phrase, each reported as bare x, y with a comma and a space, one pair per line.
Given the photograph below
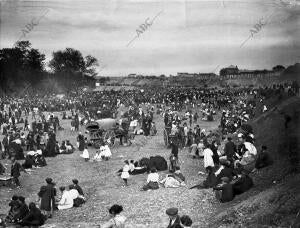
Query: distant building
232, 72
229, 70
198, 76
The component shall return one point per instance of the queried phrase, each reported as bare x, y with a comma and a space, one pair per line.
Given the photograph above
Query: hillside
275, 199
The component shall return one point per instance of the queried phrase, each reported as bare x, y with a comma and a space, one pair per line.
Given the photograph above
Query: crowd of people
229, 154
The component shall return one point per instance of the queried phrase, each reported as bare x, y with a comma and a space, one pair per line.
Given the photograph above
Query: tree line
23, 64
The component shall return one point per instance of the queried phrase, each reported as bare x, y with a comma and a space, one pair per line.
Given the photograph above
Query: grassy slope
275, 199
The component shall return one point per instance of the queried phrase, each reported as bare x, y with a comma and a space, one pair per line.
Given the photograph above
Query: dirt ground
102, 185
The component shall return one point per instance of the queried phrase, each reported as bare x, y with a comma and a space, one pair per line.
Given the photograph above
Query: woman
208, 156
117, 220
152, 180
47, 196
34, 217
66, 201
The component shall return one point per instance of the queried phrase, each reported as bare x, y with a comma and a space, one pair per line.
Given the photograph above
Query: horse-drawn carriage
102, 131
173, 137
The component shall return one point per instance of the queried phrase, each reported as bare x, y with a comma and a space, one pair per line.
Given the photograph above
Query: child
85, 154
125, 172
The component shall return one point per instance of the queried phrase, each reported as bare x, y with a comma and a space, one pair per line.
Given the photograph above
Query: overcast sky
186, 36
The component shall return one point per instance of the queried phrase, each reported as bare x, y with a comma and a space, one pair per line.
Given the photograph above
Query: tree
68, 61
71, 62
20, 64
90, 63
278, 68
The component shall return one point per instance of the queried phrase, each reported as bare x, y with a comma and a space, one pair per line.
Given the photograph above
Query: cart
101, 131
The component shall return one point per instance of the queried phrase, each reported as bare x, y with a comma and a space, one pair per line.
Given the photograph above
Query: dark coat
263, 160
47, 194
15, 170
23, 211
226, 172
227, 192
78, 188
242, 185
33, 218
230, 149
177, 222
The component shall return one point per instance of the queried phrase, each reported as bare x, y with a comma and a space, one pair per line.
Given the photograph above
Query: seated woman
105, 152
152, 180
170, 181
63, 148
116, 220
263, 159
138, 169
14, 209
225, 170
29, 162
66, 201
69, 148
34, 217
243, 183
40, 160
78, 199
210, 181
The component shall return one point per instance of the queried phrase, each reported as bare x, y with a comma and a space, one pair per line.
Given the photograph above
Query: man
5, 143
263, 159
224, 191
173, 216
47, 195
230, 149
16, 168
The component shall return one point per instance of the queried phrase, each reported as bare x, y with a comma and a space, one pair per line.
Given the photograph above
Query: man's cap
172, 211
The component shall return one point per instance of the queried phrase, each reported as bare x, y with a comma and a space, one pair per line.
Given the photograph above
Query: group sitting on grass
228, 171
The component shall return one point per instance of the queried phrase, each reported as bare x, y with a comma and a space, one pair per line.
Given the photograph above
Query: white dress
66, 201
85, 154
208, 160
125, 172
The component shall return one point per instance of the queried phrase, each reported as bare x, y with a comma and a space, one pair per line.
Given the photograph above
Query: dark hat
49, 180
172, 211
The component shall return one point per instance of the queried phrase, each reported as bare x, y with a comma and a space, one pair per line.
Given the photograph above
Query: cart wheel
166, 139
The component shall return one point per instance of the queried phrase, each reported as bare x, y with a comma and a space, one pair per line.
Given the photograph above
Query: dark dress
263, 160
227, 192
242, 185
33, 218
47, 194
81, 142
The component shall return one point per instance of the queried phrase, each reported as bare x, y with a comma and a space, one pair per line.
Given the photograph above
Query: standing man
16, 168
